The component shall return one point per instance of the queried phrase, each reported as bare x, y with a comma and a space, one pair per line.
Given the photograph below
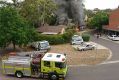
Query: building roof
107, 27
51, 29
57, 57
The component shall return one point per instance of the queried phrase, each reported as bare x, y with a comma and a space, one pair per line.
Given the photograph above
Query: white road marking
107, 62
110, 62
110, 55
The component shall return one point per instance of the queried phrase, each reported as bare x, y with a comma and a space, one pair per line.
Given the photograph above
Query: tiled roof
55, 29
107, 27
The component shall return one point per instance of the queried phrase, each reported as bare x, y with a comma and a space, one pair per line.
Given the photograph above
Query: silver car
76, 40
41, 45
86, 46
113, 37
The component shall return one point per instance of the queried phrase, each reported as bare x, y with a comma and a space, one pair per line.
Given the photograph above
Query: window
60, 65
57, 64
47, 63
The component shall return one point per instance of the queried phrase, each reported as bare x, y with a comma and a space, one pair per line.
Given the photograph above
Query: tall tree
38, 10
14, 3
13, 28
98, 20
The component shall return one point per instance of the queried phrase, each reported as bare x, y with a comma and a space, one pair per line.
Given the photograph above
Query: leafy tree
36, 11
14, 3
13, 28
99, 19
89, 13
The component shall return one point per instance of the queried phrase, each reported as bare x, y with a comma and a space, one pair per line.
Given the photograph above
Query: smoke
77, 11
70, 9
61, 12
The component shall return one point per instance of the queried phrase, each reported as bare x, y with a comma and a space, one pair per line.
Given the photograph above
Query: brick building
113, 27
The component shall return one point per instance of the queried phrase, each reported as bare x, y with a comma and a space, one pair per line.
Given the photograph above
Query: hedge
57, 39
86, 37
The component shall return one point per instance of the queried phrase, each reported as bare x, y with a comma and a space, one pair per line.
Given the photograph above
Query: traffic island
89, 57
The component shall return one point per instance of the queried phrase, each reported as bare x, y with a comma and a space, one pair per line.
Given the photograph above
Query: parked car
113, 37
76, 39
41, 45
86, 46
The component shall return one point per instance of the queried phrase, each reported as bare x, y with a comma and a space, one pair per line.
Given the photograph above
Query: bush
68, 34
53, 39
57, 39
86, 37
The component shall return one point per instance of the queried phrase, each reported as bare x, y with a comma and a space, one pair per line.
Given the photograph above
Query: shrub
53, 39
68, 34
86, 37
57, 39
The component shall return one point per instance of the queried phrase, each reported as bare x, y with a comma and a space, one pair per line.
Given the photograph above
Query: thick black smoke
70, 9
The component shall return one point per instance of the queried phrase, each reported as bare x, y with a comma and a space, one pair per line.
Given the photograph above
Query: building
113, 27
51, 30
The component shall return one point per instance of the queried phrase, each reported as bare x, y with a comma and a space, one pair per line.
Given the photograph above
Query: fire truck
49, 65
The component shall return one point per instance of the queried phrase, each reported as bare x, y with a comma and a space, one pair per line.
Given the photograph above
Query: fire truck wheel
53, 76
19, 74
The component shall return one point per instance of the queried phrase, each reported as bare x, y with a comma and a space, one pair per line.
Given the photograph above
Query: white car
41, 45
76, 40
86, 46
113, 37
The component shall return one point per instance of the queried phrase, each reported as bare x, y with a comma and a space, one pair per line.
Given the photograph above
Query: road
100, 72
114, 47
106, 71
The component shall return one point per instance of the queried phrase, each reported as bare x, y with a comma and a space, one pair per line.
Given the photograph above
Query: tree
89, 13
36, 11
13, 28
14, 3
98, 20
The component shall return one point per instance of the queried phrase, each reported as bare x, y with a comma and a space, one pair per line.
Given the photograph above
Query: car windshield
76, 38
44, 44
60, 64
86, 45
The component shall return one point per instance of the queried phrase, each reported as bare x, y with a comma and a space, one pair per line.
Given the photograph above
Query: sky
101, 4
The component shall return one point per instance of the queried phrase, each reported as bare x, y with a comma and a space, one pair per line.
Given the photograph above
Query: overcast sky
101, 4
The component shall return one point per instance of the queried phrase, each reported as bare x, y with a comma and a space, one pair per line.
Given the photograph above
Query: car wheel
53, 76
19, 74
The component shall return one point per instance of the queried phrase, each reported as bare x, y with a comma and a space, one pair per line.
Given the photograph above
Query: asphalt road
109, 71
100, 72
114, 47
